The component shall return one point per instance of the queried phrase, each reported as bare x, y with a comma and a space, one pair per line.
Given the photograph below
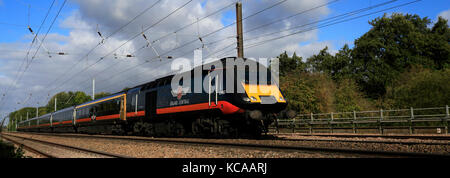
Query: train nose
263, 94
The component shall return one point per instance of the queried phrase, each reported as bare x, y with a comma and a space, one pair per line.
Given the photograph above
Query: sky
75, 32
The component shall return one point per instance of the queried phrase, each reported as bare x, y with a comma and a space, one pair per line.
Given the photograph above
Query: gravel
153, 149
54, 151
149, 149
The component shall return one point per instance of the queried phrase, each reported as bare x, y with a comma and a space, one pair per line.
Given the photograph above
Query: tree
290, 64
67, 99
101, 95
347, 97
420, 88
338, 66
439, 44
299, 95
394, 44
79, 97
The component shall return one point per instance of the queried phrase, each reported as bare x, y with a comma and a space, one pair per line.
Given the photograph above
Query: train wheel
138, 128
117, 129
226, 130
196, 128
178, 129
148, 129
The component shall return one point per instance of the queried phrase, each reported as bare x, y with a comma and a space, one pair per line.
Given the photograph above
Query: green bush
9, 151
420, 88
348, 97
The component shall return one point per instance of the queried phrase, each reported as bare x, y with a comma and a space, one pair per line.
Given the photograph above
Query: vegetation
400, 63
9, 151
420, 88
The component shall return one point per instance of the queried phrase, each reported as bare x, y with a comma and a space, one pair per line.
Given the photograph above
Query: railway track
37, 146
363, 153
367, 141
421, 137
28, 148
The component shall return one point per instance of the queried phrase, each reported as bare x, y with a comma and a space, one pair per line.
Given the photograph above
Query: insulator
29, 28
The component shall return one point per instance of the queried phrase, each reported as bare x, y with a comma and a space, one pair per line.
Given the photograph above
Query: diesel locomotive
154, 109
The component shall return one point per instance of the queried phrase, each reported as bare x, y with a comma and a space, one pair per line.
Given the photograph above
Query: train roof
32, 119
45, 115
64, 110
170, 75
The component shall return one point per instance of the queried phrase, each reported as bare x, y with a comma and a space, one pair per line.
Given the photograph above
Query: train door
123, 108
150, 104
74, 116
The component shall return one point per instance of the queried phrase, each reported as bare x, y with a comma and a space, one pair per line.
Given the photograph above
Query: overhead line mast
240, 38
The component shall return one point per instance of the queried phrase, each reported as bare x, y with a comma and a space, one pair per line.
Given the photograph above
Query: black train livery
153, 109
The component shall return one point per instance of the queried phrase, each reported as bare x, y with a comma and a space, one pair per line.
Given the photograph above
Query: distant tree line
401, 62
63, 100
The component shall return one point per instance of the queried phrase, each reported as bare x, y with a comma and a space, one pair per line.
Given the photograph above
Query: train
152, 109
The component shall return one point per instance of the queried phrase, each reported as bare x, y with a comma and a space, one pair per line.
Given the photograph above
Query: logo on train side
180, 93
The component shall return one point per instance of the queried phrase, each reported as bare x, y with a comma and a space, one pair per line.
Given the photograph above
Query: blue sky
349, 31
15, 12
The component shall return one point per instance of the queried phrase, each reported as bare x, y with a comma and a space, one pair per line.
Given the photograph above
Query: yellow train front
243, 106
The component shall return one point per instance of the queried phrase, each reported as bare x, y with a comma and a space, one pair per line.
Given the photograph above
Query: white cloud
310, 49
445, 15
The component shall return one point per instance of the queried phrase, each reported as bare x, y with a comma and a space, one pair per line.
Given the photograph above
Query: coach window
85, 112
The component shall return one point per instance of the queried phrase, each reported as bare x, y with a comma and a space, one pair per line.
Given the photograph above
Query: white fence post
380, 127
410, 121
293, 125
447, 113
311, 125
353, 123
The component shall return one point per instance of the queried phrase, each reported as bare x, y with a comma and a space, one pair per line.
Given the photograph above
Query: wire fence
412, 120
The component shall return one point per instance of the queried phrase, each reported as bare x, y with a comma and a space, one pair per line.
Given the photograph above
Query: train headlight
253, 98
281, 98
246, 99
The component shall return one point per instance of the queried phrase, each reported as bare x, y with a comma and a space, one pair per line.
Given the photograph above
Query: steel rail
68, 147
362, 141
260, 146
422, 137
26, 147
